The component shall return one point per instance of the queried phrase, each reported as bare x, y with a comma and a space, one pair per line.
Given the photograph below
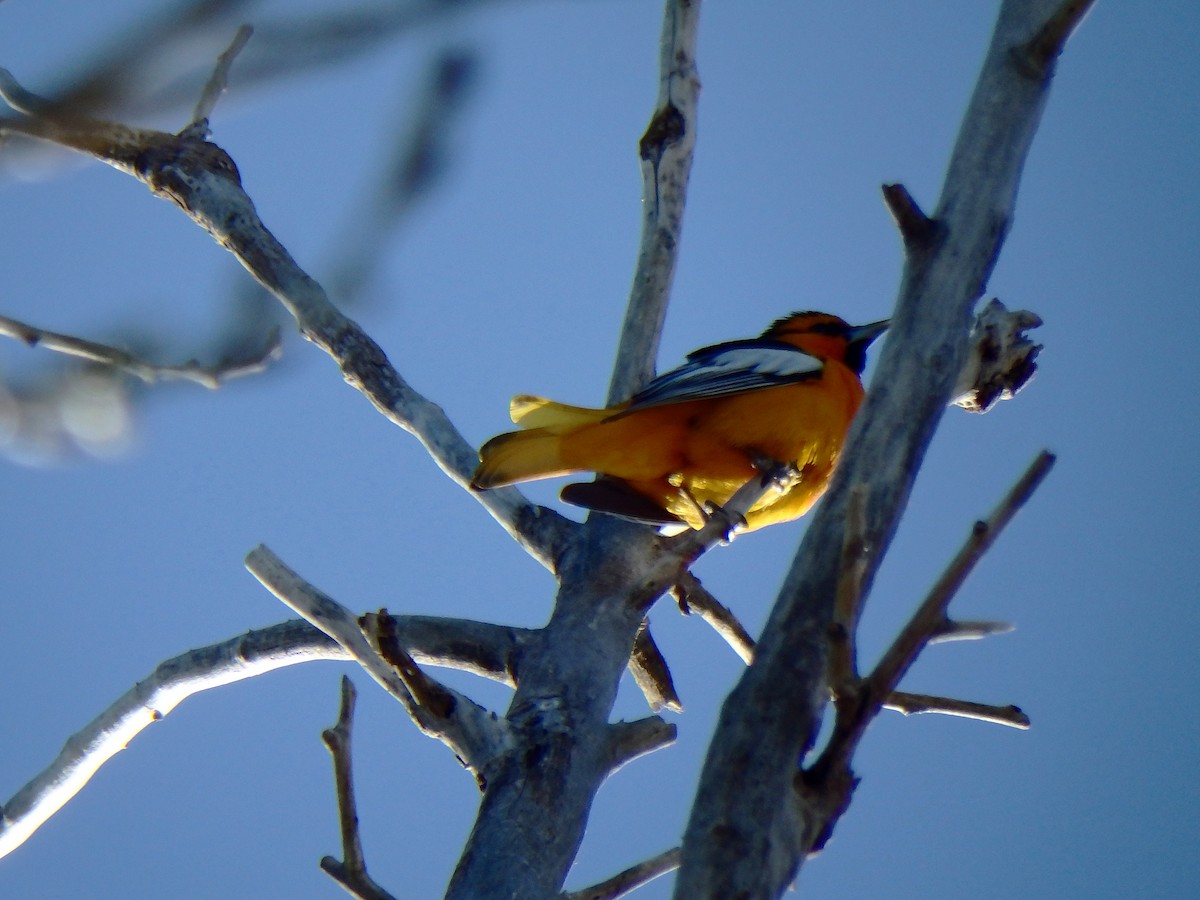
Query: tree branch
475, 735
750, 829
203, 181
351, 871
694, 597
149, 701
649, 669
208, 376
915, 704
826, 781
666, 153
624, 883
629, 740
216, 84
490, 651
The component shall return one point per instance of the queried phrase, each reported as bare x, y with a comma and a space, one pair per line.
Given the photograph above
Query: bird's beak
862, 335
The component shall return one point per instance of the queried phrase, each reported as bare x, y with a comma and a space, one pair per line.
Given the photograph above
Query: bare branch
916, 229
475, 736
419, 163
650, 671
215, 86
149, 701
490, 651
968, 630
624, 883
914, 704
928, 621
351, 871
209, 376
694, 597
666, 154
751, 827
828, 782
629, 740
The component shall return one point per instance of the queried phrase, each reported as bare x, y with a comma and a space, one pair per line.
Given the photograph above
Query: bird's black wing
730, 368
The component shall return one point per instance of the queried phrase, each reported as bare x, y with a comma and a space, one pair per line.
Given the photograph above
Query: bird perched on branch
694, 435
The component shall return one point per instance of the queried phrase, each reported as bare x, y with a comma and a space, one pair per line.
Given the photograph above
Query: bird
691, 437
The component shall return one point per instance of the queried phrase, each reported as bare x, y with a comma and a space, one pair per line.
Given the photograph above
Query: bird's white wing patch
730, 369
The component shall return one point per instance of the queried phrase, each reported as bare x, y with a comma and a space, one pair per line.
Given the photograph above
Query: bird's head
826, 336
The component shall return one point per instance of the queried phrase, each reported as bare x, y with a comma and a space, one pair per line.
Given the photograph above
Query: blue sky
512, 278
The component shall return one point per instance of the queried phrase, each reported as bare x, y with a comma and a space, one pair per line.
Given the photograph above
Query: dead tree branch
490, 651
749, 829
666, 153
211, 376
475, 736
351, 871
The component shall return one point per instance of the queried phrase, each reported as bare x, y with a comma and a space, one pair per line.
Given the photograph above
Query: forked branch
476, 736
351, 871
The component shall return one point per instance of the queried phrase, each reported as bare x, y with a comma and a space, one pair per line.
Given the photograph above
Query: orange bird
693, 435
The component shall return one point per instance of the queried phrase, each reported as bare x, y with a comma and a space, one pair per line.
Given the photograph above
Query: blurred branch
203, 181
418, 164
211, 376
129, 78
666, 154
217, 82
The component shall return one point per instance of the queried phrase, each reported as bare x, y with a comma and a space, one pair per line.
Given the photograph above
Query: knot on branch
171, 164
666, 128
1001, 359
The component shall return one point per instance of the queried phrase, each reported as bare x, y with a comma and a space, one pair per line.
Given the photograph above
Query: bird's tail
535, 451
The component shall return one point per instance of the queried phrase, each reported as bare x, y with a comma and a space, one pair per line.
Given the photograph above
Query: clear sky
512, 278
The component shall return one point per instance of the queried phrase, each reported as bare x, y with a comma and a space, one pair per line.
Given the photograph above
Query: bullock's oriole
693, 435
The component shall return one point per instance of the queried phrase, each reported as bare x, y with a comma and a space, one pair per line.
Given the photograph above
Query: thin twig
694, 597
380, 629
914, 704
351, 871
931, 614
209, 376
878, 688
968, 630
624, 883
215, 86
